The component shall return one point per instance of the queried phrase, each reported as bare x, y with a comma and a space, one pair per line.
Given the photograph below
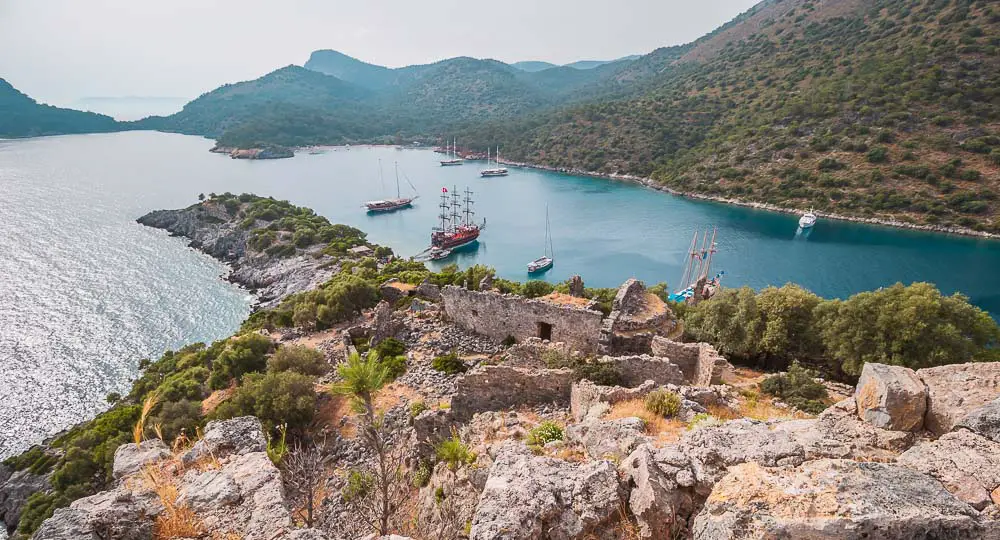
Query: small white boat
807, 220
493, 171
546, 261
437, 254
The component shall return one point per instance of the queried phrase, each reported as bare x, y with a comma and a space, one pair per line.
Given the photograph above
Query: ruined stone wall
497, 388
701, 364
501, 315
637, 369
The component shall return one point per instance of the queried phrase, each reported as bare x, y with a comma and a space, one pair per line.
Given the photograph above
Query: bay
85, 292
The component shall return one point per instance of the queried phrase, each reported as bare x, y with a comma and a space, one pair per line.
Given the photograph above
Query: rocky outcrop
241, 435
530, 497
592, 400
838, 433
211, 228
984, 421
236, 491
608, 439
15, 488
967, 464
131, 458
661, 495
832, 498
891, 397
449, 501
955, 391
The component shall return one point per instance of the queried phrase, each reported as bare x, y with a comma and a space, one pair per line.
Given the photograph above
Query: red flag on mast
444, 190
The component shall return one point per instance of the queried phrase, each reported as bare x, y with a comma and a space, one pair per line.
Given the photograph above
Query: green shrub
830, 164
449, 364
390, 347
422, 475
798, 388
394, 365
509, 341
416, 408
536, 288
663, 403
298, 358
178, 417
453, 452
275, 398
245, 354
545, 432
879, 154
439, 495
602, 373
359, 484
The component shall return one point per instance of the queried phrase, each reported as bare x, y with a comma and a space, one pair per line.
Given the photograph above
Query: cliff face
219, 231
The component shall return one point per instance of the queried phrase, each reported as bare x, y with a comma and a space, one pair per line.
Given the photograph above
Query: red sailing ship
456, 229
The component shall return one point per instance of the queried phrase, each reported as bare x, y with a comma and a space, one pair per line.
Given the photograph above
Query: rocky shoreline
212, 230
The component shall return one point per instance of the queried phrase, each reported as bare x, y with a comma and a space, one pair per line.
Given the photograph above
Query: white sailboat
493, 171
455, 160
390, 205
547, 259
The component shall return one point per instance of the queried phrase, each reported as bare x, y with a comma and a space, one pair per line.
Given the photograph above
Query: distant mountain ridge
21, 116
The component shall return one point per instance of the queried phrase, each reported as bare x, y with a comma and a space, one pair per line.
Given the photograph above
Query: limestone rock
658, 498
222, 438
390, 293
838, 433
891, 397
308, 534
109, 515
832, 498
530, 497
955, 391
984, 421
608, 439
446, 517
967, 464
429, 291
15, 490
576, 286
131, 458
713, 449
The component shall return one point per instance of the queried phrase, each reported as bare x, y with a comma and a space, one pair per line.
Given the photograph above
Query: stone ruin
701, 364
501, 315
637, 316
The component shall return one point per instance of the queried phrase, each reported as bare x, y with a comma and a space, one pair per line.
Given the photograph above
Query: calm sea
85, 292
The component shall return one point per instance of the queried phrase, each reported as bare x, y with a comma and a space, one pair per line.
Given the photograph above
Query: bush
390, 347
453, 452
663, 403
416, 408
602, 373
879, 154
536, 288
422, 475
359, 484
394, 366
830, 164
545, 432
797, 388
299, 359
449, 364
275, 398
245, 354
509, 341
178, 417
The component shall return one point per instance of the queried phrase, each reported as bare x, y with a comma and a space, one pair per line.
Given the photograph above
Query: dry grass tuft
664, 429
176, 521
139, 430
216, 398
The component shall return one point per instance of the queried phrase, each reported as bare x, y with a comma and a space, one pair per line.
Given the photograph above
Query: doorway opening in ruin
545, 331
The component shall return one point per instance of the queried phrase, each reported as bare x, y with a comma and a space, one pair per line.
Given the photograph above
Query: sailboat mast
468, 207
455, 206
711, 253
397, 179
689, 265
444, 210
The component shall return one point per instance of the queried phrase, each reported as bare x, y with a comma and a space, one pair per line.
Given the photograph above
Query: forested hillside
21, 116
863, 107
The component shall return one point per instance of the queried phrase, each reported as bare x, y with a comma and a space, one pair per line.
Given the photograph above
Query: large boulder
608, 439
660, 496
955, 391
967, 464
531, 497
891, 397
448, 501
119, 514
831, 498
130, 458
712, 450
984, 421
236, 436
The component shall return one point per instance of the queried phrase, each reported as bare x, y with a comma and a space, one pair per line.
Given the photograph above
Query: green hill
533, 65
21, 116
885, 108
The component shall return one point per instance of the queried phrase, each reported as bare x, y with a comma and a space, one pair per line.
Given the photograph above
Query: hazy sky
61, 50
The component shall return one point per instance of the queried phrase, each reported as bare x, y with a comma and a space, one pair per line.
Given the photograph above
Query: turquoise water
86, 292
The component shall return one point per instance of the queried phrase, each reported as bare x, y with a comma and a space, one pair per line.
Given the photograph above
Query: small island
267, 152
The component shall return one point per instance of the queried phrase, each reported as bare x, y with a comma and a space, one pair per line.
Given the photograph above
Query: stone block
891, 397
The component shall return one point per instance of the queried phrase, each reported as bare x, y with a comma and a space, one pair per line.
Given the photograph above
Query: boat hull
541, 267
452, 163
390, 207
493, 173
